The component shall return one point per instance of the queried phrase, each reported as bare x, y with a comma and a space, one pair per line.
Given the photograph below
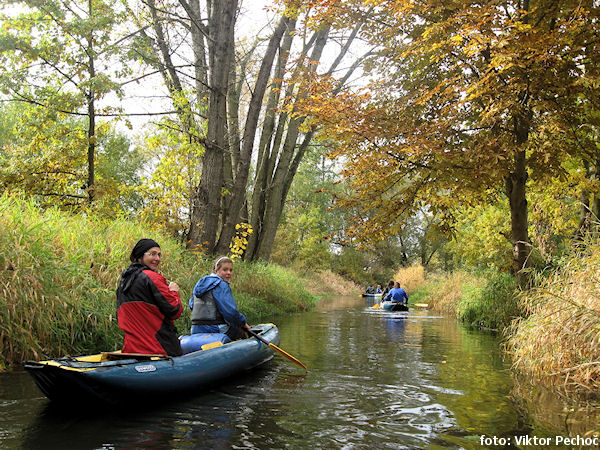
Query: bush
443, 291
493, 305
485, 300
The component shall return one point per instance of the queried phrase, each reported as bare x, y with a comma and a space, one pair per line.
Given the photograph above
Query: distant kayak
118, 378
372, 295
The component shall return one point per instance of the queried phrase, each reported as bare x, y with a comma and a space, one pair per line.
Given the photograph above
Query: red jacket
146, 309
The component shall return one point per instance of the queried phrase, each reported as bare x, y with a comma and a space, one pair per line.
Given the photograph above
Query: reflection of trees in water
340, 302
555, 411
471, 377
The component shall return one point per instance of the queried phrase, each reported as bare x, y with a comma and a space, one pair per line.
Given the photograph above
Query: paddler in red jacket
147, 305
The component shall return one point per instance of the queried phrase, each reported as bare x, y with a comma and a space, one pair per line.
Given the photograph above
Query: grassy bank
58, 275
552, 331
558, 339
485, 300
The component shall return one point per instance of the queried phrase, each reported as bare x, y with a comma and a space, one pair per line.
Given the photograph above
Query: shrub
492, 305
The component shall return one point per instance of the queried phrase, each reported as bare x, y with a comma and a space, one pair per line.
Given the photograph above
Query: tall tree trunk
264, 146
250, 127
516, 191
288, 158
207, 198
275, 195
91, 152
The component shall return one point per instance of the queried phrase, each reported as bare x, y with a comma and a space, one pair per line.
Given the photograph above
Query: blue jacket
397, 295
224, 299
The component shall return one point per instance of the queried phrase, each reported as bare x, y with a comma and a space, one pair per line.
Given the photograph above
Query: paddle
277, 349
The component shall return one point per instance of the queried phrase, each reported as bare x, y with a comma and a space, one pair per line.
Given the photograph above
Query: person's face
152, 258
225, 271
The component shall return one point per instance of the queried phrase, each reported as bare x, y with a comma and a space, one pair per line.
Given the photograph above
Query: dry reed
445, 290
327, 282
558, 340
410, 278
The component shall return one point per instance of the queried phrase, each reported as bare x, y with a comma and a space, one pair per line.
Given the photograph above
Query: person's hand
245, 328
173, 286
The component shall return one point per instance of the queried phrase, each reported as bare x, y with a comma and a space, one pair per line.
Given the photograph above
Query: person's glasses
154, 254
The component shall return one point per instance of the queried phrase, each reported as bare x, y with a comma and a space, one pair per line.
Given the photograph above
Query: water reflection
376, 380
576, 416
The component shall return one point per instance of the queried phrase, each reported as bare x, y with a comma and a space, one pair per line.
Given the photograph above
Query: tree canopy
468, 99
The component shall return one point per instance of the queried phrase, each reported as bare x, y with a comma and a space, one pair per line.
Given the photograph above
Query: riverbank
59, 272
551, 332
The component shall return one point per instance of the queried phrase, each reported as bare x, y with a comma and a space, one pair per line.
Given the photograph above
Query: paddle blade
288, 356
376, 305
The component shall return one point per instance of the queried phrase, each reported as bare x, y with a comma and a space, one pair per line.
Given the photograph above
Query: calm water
376, 380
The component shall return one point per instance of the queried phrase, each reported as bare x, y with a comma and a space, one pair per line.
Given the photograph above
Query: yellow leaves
239, 242
457, 39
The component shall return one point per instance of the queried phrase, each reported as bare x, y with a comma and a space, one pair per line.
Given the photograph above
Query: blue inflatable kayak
394, 306
119, 378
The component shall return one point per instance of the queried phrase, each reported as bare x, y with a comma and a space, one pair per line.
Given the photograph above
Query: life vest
205, 310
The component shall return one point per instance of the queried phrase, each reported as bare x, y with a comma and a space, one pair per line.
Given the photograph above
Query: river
376, 380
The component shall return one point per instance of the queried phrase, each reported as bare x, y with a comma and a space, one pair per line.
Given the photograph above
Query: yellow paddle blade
288, 356
376, 305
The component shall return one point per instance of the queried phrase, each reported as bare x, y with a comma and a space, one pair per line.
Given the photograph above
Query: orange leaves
459, 89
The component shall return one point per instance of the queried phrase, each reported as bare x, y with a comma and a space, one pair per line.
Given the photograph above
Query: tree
63, 57
211, 29
307, 225
42, 156
286, 133
474, 98
204, 67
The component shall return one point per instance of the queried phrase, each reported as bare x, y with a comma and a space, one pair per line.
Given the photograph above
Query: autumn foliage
468, 100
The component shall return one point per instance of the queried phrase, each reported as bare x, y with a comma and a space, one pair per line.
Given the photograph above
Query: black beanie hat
142, 247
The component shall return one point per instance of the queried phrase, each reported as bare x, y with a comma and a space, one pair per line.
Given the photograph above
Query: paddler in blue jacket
214, 309
397, 295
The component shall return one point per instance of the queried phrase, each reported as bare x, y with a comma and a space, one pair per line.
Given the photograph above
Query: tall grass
558, 340
484, 300
410, 278
492, 305
327, 282
443, 291
58, 276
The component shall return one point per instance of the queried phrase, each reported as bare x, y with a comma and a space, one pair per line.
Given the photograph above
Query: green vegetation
483, 300
492, 305
58, 275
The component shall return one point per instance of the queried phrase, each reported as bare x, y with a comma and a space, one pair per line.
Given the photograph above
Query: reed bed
59, 272
410, 278
558, 339
329, 283
273, 284
443, 291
